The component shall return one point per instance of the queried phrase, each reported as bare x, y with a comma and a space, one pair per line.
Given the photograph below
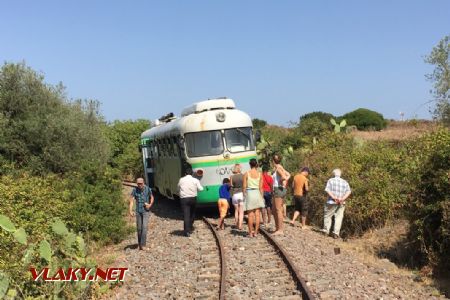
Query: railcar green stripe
210, 194
223, 162
144, 141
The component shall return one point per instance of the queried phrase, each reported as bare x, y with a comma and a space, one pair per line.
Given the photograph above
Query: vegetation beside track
390, 178
54, 163
59, 159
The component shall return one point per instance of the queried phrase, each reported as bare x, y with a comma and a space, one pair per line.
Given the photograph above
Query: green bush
53, 164
370, 169
365, 119
96, 206
258, 124
124, 138
429, 209
318, 115
41, 130
60, 248
388, 180
90, 204
30, 203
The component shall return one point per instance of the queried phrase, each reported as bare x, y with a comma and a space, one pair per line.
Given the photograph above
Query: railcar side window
175, 147
167, 147
164, 147
239, 139
170, 146
150, 149
204, 143
159, 148
155, 149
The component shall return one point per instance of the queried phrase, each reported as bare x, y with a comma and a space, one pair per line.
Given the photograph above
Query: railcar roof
203, 121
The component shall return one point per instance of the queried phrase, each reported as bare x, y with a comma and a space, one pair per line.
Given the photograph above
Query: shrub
60, 248
309, 129
96, 205
319, 115
30, 202
258, 124
365, 119
41, 130
370, 170
429, 209
124, 138
89, 203
53, 156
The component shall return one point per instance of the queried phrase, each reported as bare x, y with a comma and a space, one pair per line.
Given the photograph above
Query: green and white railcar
210, 137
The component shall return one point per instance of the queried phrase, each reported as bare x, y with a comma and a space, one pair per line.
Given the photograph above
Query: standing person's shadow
132, 246
177, 233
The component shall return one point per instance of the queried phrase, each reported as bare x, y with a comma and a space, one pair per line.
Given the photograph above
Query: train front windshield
204, 143
209, 143
239, 139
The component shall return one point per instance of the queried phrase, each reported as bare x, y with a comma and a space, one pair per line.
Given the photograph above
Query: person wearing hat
338, 191
301, 188
143, 197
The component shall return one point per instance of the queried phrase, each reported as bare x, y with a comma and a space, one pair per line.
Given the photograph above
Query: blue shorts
268, 199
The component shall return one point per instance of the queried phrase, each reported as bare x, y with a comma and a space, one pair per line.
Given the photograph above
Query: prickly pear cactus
67, 245
6, 224
338, 127
4, 284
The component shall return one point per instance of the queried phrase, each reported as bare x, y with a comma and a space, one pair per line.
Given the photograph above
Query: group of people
258, 194
262, 195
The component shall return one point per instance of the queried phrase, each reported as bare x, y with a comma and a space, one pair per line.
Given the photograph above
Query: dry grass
398, 130
387, 242
383, 239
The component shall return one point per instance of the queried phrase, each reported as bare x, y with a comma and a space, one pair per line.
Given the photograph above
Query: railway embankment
174, 266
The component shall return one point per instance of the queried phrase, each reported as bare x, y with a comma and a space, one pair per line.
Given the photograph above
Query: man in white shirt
338, 191
188, 187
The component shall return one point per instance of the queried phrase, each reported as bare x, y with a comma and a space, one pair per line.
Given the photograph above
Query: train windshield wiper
243, 133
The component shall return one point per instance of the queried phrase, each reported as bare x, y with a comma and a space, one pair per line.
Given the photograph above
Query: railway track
256, 268
233, 266
212, 274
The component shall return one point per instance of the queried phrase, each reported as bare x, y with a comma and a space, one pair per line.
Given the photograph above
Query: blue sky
276, 59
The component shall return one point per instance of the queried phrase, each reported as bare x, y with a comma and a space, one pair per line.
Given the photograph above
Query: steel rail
301, 283
222, 259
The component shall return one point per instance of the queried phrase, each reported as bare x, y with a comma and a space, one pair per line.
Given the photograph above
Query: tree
439, 58
124, 137
365, 119
318, 115
41, 129
258, 124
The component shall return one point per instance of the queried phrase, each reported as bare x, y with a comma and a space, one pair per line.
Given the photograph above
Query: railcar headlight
220, 117
199, 172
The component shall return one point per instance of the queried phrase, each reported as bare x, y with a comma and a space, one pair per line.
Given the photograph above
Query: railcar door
148, 158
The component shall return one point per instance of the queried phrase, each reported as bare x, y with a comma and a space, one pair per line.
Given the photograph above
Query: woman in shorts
280, 179
237, 195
